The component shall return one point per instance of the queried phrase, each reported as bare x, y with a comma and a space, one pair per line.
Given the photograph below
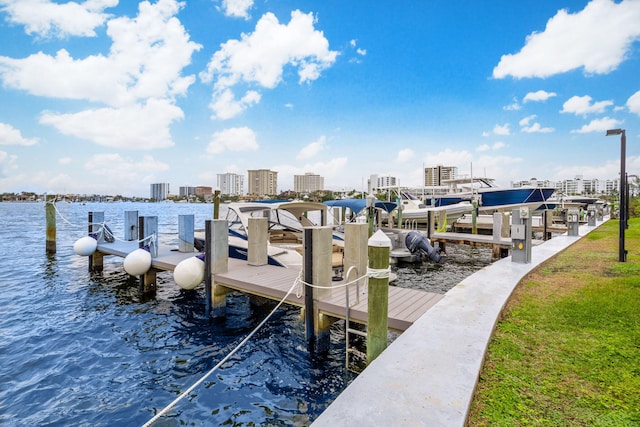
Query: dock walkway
268, 281
427, 376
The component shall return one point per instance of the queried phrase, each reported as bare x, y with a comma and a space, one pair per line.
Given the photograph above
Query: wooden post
96, 260
50, 214
216, 261
216, 204
147, 226
474, 217
378, 300
399, 209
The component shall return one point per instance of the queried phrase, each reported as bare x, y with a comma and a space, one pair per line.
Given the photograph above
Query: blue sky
108, 96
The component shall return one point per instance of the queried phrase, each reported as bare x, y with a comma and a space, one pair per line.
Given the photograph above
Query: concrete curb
427, 376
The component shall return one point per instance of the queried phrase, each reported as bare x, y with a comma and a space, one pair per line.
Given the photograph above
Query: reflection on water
82, 348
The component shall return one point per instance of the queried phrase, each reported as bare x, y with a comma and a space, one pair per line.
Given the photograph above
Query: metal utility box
591, 215
521, 236
573, 221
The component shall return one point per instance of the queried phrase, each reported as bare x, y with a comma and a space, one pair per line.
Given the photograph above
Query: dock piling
50, 214
185, 233
131, 225
216, 261
316, 271
378, 299
258, 241
147, 226
96, 260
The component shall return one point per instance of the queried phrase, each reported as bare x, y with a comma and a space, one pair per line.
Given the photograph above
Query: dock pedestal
258, 241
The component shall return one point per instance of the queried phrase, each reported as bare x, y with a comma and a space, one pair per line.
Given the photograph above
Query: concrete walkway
427, 376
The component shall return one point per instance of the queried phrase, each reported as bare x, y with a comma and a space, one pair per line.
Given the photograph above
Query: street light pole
622, 253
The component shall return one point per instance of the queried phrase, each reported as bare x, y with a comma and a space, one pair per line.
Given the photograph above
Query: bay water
85, 349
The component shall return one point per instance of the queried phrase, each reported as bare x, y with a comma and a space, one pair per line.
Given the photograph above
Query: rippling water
85, 349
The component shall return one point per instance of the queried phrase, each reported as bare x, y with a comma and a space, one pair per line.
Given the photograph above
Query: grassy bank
566, 351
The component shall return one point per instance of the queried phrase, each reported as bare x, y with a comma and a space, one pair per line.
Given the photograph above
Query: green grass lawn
566, 351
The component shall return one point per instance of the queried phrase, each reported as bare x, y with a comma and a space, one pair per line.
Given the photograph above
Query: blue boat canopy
357, 205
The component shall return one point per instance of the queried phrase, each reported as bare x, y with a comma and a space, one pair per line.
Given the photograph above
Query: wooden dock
405, 305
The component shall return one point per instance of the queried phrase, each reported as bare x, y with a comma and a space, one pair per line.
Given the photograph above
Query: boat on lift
489, 197
285, 228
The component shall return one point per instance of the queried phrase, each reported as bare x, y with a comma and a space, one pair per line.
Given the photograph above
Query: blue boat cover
357, 205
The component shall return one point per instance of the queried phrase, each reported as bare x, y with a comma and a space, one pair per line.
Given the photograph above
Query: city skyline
107, 97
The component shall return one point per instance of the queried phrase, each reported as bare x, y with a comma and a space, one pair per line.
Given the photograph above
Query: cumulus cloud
313, 149
12, 136
233, 139
259, 58
527, 125
540, 95
48, 19
136, 127
7, 163
598, 125
140, 75
486, 147
501, 129
582, 105
514, 106
597, 39
405, 155
237, 8
633, 103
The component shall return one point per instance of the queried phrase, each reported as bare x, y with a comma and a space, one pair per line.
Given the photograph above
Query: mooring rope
104, 229
224, 360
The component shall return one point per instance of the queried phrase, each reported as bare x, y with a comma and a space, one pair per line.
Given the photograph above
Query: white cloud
259, 58
582, 105
140, 76
7, 163
540, 95
136, 127
65, 160
501, 129
486, 147
598, 39
12, 136
633, 103
405, 155
536, 128
598, 125
311, 150
514, 106
237, 8
125, 174
527, 126
233, 139
226, 106
49, 19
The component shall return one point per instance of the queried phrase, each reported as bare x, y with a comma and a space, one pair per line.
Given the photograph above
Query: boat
286, 222
406, 245
491, 198
413, 209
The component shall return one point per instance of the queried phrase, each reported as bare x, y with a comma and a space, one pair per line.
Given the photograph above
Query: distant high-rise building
159, 191
262, 182
435, 176
187, 191
203, 191
308, 183
231, 184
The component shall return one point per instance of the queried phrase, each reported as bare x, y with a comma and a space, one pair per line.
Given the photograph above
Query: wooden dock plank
405, 305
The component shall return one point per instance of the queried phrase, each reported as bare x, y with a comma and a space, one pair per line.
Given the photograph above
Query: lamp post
622, 253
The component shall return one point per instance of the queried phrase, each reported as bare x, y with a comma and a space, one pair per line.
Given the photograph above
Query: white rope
225, 359
152, 238
378, 273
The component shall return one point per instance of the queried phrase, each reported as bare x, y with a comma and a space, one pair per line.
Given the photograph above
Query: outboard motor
417, 243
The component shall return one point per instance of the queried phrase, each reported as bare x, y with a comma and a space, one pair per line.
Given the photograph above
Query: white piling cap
380, 240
